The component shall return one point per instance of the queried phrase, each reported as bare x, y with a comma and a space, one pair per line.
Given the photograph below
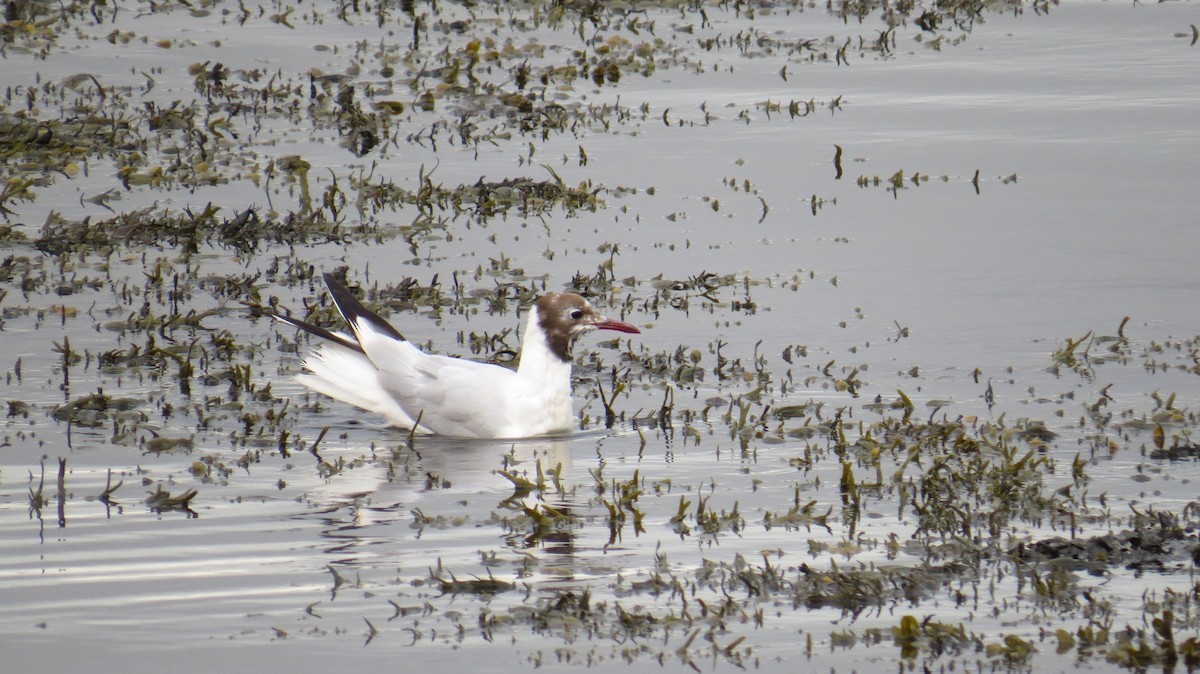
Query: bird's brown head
565, 316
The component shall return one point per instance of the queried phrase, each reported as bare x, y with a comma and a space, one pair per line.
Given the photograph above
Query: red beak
619, 326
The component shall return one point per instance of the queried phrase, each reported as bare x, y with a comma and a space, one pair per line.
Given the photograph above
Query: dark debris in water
1159, 542
161, 500
1182, 452
189, 232
94, 409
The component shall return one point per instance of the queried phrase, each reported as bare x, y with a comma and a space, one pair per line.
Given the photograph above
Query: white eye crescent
576, 314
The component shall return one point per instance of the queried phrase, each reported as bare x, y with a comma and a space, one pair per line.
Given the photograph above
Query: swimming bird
375, 368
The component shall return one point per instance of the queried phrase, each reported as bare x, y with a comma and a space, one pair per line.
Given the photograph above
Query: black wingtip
353, 311
318, 331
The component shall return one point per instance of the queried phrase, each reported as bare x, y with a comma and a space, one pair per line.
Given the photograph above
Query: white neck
539, 366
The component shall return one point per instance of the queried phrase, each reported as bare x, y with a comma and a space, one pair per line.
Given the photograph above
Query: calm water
1080, 119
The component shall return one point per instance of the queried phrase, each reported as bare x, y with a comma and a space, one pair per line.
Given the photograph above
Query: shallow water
830, 293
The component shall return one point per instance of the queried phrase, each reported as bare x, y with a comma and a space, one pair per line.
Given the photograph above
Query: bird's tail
347, 375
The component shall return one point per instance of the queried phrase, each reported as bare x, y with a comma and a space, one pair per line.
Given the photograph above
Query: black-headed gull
377, 369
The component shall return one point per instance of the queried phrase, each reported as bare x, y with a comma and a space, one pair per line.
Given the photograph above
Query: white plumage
376, 369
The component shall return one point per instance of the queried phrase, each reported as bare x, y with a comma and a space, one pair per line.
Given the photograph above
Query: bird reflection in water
442, 492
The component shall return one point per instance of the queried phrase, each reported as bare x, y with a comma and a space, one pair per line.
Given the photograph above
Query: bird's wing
450, 396
357, 315
347, 341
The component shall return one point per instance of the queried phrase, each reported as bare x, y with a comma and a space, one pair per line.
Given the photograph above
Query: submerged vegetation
976, 531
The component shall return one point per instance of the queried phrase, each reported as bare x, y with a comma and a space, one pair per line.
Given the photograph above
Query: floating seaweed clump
94, 409
188, 231
1159, 540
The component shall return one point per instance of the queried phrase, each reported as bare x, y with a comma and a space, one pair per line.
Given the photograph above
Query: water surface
784, 311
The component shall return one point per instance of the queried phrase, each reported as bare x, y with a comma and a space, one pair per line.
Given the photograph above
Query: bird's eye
576, 314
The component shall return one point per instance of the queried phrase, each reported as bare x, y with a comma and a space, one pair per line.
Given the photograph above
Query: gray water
1080, 119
